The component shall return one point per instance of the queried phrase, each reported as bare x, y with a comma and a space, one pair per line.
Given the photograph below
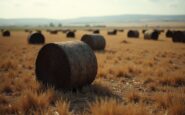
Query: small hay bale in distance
70, 34
53, 31
120, 30
178, 36
66, 65
114, 32
96, 42
36, 38
6, 33
169, 33
96, 31
27, 30
151, 35
133, 34
143, 31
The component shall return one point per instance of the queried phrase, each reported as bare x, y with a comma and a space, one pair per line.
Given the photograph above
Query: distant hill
95, 20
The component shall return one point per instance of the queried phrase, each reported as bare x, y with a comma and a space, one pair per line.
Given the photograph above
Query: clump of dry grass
112, 107
62, 108
31, 101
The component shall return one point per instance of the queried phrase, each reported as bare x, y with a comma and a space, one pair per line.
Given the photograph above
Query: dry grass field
135, 77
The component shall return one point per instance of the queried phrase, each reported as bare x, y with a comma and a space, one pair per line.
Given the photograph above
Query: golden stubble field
135, 77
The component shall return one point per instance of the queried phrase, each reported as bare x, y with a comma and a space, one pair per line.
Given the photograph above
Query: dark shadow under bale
66, 65
36, 38
151, 35
114, 32
6, 33
133, 34
70, 34
178, 36
96, 42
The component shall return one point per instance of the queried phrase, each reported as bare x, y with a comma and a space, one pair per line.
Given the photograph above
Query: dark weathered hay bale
6, 33
27, 30
133, 34
36, 38
38, 31
151, 34
96, 42
120, 30
96, 31
178, 36
66, 65
159, 31
114, 32
53, 31
169, 33
70, 34
143, 31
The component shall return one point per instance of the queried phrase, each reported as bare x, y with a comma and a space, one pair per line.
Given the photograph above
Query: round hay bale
38, 31
96, 42
53, 31
178, 36
133, 34
169, 33
120, 30
27, 30
70, 34
151, 34
114, 32
96, 31
66, 65
6, 33
143, 31
36, 38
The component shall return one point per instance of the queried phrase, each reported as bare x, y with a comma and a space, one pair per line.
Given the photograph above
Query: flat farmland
135, 77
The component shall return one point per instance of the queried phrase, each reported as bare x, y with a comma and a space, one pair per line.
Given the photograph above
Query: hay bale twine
66, 65
169, 33
114, 32
96, 31
70, 34
96, 42
178, 36
6, 33
36, 38
133, 34
151, 34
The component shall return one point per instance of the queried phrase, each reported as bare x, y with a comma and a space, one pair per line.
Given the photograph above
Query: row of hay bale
176, 35
96, 42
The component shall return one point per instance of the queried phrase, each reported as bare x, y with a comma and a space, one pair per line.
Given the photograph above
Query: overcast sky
64, 9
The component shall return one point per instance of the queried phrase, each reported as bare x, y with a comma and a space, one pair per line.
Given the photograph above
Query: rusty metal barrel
151, 35
66, 65
96, 42
36, 38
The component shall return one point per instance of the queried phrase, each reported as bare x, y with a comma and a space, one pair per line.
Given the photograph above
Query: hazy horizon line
95, 16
